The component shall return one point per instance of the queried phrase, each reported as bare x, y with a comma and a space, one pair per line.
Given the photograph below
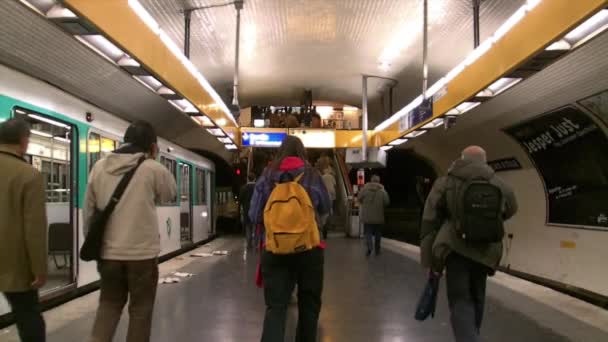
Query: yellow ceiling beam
118, 22
550, 20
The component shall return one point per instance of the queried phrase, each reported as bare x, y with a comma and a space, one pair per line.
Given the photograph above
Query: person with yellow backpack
288, 201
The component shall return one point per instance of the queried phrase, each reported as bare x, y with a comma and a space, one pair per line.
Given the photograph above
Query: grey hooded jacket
373, 199
438, 232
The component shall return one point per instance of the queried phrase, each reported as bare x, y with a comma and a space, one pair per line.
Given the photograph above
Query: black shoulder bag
91, 249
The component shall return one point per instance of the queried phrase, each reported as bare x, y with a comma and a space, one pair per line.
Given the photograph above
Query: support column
187, 24
476, 24
364, 120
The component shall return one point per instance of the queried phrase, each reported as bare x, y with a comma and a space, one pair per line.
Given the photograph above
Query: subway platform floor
365, 299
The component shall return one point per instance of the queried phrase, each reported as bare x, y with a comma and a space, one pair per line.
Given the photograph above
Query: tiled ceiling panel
325, 45
35, 46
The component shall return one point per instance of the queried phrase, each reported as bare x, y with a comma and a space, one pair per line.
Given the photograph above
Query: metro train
68, 137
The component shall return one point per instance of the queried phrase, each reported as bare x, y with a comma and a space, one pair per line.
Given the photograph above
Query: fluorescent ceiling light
386, 148
39, 133
67, 141
401, 113
588, 29
231, 147
258, 123
221, 122
216, 132
559, 45
414, 134
150, 82
510, 23
478, 52
463, 108
398, 142
530, 4
144, 15
184, 106
153, 25
205, 121
350, 109
165, 91
499, 86
127, 61
433, 124
58, 11
49, 121
225, 140
435, 87
455, 72
102, 46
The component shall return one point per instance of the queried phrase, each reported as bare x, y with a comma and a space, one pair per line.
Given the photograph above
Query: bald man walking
462, 231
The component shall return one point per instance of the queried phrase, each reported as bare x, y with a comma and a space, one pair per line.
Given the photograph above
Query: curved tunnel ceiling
291, 45
37, 47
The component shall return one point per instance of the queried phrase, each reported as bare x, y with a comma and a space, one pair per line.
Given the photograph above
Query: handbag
91, 248
428, 301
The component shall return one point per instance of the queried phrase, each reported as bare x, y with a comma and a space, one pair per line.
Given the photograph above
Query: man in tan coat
23, 231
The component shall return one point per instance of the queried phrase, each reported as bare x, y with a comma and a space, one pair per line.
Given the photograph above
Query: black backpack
480, 212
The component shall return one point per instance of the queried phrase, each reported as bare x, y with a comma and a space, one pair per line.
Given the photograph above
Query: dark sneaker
369, 252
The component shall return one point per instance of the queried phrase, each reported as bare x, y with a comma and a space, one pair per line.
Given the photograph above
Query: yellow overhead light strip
529, 30
128, 24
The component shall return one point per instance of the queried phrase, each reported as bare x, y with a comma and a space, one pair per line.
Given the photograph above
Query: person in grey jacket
467, 265
373, 199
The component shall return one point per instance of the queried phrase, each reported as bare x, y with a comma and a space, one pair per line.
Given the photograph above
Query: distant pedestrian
131, 244
245, 201
462, 231
329, 179
373, 199
23, 231
288, 200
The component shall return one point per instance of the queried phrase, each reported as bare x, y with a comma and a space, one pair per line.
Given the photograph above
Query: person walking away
330, 184
288, 200
316, 121
245, 200
462, 231
129, 258
373, 198
23, 231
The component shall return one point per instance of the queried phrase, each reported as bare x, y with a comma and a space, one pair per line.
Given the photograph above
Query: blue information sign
417, 115
263, 139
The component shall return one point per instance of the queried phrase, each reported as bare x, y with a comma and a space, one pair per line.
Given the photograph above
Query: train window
99, 147
185, 182
49, 152
171, 165
201, 186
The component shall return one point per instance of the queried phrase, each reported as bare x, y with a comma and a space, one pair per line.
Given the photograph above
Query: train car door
53, 151
185, 204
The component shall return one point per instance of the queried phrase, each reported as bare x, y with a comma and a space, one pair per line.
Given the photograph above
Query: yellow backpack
289, 219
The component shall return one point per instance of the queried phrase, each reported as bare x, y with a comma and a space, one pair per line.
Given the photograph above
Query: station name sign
263, 139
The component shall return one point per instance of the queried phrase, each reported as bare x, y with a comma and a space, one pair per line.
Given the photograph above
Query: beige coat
132, 231
23, 226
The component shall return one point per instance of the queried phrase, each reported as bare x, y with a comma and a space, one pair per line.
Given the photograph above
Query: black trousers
466, 288
28, 315
281, 273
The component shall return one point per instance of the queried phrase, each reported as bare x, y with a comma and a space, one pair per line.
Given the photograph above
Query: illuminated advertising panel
316, 138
